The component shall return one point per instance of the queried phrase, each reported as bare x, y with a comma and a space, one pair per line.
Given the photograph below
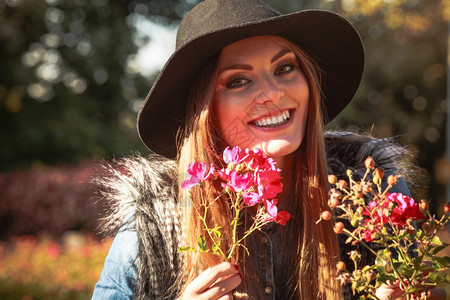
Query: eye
237, 82
285, 68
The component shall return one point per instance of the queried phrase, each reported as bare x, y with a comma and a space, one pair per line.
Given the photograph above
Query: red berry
392, 180
342, 184
332, 179
447, 208
341, 266
360, 210
333, 202
326, 215
423, 205
369, 162
338, 227
378, 173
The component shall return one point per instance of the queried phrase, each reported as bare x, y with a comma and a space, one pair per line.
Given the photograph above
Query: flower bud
392, 180
369, 162
378, 172
332, 179
377, 179
338, 227
370, 275
349, 173
341, 266
355, 256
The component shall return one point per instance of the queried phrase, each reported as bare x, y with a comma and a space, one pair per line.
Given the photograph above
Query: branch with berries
404, 230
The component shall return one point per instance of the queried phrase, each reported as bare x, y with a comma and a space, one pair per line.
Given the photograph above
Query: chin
278, 148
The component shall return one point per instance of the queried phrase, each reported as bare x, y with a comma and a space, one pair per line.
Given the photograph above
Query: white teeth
274, 121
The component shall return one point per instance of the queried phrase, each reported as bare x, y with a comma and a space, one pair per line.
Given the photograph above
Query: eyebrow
249, 68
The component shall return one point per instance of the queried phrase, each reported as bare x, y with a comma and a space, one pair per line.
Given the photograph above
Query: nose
269, 91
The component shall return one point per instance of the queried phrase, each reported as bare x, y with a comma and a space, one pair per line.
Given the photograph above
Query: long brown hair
313, 248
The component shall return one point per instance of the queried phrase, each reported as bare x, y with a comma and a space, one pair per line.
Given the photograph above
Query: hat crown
215, 15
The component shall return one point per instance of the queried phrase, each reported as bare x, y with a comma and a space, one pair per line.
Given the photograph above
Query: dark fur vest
148, 187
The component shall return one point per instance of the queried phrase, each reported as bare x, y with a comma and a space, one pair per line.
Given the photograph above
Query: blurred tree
67, 91
403, 92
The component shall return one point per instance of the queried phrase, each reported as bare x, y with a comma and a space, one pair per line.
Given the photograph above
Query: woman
242, 75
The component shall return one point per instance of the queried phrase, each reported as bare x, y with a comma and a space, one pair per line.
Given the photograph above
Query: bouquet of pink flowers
250, 179
405, 231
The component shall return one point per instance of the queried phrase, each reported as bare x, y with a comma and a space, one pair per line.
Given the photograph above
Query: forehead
250, 48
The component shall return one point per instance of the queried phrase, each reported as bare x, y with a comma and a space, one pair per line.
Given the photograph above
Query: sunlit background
73, 74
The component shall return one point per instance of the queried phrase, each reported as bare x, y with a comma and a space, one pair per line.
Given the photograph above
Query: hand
215, 283
395, 291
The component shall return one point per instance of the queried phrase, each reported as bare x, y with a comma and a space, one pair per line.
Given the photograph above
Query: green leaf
185, 249
217, 233
202, 243
436, 240
215, 247
443, 262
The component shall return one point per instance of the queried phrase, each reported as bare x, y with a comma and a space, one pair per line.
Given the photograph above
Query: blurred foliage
403, 91
51, 269
50, 202
67, 91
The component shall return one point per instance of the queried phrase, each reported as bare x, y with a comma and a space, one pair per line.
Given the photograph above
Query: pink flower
234, 155
281, 218
271, 207
240, 182
251, 198
269, 183
198, 173
406, 208
257, 160
396, 209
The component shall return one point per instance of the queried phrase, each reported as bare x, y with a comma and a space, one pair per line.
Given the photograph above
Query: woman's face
261, 96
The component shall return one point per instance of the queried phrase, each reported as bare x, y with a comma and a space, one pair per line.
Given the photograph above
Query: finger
228, 296
212, 274
223, 287
389, 292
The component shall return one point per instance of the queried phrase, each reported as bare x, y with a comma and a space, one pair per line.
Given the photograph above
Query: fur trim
142, 196
349, 150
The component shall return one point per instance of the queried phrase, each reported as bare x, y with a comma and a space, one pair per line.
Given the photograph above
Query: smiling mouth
273, 121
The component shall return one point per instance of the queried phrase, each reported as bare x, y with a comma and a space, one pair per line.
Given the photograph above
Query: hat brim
329, 38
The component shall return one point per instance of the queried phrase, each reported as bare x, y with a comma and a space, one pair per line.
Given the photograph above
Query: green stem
208, 230
408, 296
347, 232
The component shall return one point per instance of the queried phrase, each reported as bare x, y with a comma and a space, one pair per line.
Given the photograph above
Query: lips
273, 120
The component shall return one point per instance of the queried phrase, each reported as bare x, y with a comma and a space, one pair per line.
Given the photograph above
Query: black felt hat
213, 24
